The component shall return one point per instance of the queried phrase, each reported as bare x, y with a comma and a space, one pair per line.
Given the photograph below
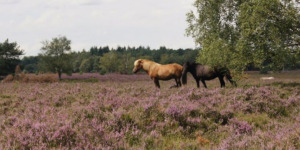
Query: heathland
93, 111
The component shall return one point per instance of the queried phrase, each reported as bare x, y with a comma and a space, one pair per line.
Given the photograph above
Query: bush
22, 77
8, 78
264, 70
103, 72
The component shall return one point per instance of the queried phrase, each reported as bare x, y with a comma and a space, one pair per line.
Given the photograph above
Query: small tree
55, 56
9, 57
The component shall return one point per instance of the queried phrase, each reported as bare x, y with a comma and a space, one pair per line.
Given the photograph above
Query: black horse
205, 72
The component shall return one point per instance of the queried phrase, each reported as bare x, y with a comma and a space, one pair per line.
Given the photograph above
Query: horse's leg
222, 81
174, 86
230, 79
232, 82
198, 85
178, 82
204, 83
156, 82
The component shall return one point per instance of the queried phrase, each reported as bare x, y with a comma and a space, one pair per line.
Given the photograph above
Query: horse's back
177, 67
168, 71
205, 72
208, 72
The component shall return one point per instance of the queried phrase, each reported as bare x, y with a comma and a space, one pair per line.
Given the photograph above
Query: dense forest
117, 60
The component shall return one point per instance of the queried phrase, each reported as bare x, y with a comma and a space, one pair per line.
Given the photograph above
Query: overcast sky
89, 23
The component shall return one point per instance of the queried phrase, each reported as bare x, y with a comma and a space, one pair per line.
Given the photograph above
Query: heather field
91, 111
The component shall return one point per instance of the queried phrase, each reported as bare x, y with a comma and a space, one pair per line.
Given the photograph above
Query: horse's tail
184, 75
228, 76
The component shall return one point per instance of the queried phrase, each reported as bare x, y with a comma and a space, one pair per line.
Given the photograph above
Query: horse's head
138, 64
186, 67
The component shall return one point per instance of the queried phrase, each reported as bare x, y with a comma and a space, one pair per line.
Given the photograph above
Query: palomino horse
159, 72
205, 72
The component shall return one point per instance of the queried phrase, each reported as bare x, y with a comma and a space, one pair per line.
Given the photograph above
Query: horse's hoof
174, 86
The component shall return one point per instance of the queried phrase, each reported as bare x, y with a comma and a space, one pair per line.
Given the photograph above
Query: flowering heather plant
128, 112
241, 127
107, 77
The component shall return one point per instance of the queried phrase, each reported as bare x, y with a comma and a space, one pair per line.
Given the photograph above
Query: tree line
56, 56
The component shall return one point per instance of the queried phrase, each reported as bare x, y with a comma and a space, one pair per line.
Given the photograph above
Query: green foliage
259, 120
9, 57
110, 62
99, 51
265, 32
126, 63
237, 33
102, 71
29, 64
78, 58
55, 56
216, 53
293, 60
116, 62
85, 66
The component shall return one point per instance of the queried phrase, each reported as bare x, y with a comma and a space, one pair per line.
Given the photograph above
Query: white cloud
96, 23
9, 1
72, 2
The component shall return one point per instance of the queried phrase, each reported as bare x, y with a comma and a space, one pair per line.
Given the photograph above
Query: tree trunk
59, 75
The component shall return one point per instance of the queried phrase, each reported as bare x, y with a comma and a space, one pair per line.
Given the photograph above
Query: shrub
22, 77
8, 78
102, 72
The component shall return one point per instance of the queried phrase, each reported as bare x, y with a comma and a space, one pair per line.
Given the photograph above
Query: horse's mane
193, 63
148, 60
